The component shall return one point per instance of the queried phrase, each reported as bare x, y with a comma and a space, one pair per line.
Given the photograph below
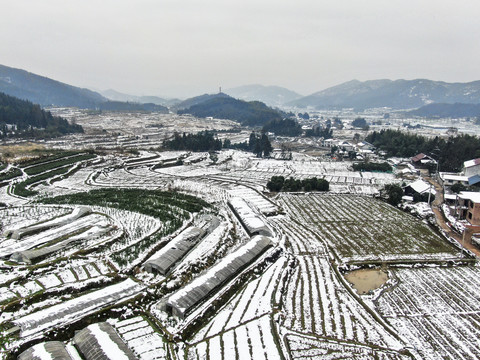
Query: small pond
365, 280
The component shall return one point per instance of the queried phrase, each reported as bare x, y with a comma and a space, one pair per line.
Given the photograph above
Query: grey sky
189, 47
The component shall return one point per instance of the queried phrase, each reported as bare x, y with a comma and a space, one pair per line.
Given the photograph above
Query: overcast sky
190, 47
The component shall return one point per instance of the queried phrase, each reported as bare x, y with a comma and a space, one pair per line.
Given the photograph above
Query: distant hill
398, 94
131, 106
198, 100
270, 95
253, 113
443, 110
44, 91
21, 118
118, 96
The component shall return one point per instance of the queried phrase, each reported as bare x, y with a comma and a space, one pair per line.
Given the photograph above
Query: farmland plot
76, 275
436, 310
313, 301
299, 306
317, 303
141, 178
264, 205
76, 182
253, 301
23, 216
142, 339
361, 228
50, 235
310, 347
341, 178
253, 340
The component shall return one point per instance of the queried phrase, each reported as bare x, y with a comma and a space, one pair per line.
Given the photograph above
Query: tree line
451, 152
283, 127
21, 118
370, 166
279, 183
259, 144
202, 141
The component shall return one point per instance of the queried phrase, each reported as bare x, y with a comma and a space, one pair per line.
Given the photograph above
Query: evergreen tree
266, 145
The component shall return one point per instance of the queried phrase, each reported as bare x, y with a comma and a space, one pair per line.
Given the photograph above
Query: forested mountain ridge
448, 110
198, 100
23, 118
253, 113
118, 96
397, 94
45, 91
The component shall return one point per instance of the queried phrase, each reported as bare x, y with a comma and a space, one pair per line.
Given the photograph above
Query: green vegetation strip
10, 174
40, 168
44, 157
171, 208
370, 166
159, 204
21, 190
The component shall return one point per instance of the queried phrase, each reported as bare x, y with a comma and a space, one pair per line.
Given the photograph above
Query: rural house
422, 161
471, 167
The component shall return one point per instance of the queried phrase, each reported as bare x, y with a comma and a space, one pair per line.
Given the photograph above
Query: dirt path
436, 207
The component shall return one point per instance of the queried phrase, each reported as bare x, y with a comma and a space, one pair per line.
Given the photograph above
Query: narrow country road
441, 221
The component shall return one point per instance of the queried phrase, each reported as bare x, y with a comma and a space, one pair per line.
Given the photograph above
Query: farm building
449, 179
251, 221
30, 256
422, 161
38, 254
419, 187
19, 233
175, 251
471, 167
185, 300
52, 350
472, 202
101, 342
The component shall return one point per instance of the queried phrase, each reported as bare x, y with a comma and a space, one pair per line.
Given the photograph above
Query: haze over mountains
118, 96
44, 91
270, 95
396, 94
47, 92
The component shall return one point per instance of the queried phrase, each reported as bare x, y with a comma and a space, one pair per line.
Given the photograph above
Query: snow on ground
251, 302
253, 340
253, 197
141, 338
52, 234
23, 216
299, 303
436, 310
77, 308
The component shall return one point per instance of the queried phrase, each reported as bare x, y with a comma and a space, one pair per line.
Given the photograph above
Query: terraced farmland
290, 302
365, 229
436, 310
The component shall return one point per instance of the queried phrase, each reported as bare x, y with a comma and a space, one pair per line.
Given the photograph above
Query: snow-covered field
436, 310
292, 302
360, 228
